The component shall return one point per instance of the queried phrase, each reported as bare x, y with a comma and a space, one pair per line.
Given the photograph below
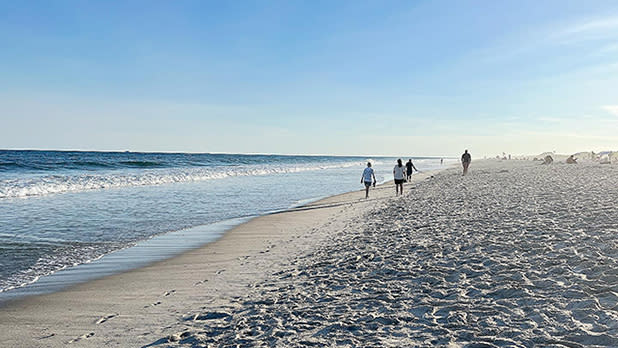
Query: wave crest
53, 184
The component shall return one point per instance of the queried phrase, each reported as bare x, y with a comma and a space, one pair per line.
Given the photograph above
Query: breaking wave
63, 183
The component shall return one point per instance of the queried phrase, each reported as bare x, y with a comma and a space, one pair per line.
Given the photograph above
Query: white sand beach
516, 254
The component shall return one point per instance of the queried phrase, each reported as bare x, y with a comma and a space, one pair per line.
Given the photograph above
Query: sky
410, 78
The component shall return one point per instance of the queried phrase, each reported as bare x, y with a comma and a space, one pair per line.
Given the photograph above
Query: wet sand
516, 254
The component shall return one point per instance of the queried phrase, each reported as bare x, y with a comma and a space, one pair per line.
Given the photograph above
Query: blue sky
312, 77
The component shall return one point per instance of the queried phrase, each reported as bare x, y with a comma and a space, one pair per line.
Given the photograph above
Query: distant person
571, 160
441, 161
398, 173
368, 174
465, 161
409, 167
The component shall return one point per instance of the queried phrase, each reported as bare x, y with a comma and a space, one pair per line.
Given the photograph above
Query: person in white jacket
400, 177
368, 174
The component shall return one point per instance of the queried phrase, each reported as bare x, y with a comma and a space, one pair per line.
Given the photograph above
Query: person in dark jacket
465, 161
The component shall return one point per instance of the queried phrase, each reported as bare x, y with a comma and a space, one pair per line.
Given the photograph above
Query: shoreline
138, 255
225, 267
125, 260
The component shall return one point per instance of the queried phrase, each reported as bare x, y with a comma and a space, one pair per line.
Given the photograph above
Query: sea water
62, 210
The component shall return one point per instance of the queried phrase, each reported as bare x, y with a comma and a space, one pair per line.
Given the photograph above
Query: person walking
465, 161
368, 174
398, 174
409, 167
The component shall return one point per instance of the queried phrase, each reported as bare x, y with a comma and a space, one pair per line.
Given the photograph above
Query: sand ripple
513, 255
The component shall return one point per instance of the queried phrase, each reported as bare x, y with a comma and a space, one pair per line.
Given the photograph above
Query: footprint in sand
167, 293
105, 318
153, 304
84, 336
200, 282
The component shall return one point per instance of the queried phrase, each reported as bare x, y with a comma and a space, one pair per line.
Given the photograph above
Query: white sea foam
53, 184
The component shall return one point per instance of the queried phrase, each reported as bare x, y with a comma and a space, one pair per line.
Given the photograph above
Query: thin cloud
596, 25
609, 48
612, 109
590, 29
602, 29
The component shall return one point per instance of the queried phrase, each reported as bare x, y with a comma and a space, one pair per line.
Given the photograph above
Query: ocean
83, 215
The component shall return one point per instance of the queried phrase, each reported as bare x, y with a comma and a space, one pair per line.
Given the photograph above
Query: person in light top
399, 174
368, 174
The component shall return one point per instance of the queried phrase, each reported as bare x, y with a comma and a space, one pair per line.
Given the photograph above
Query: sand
516, 254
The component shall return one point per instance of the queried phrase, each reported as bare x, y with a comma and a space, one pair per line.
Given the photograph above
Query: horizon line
218, 153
